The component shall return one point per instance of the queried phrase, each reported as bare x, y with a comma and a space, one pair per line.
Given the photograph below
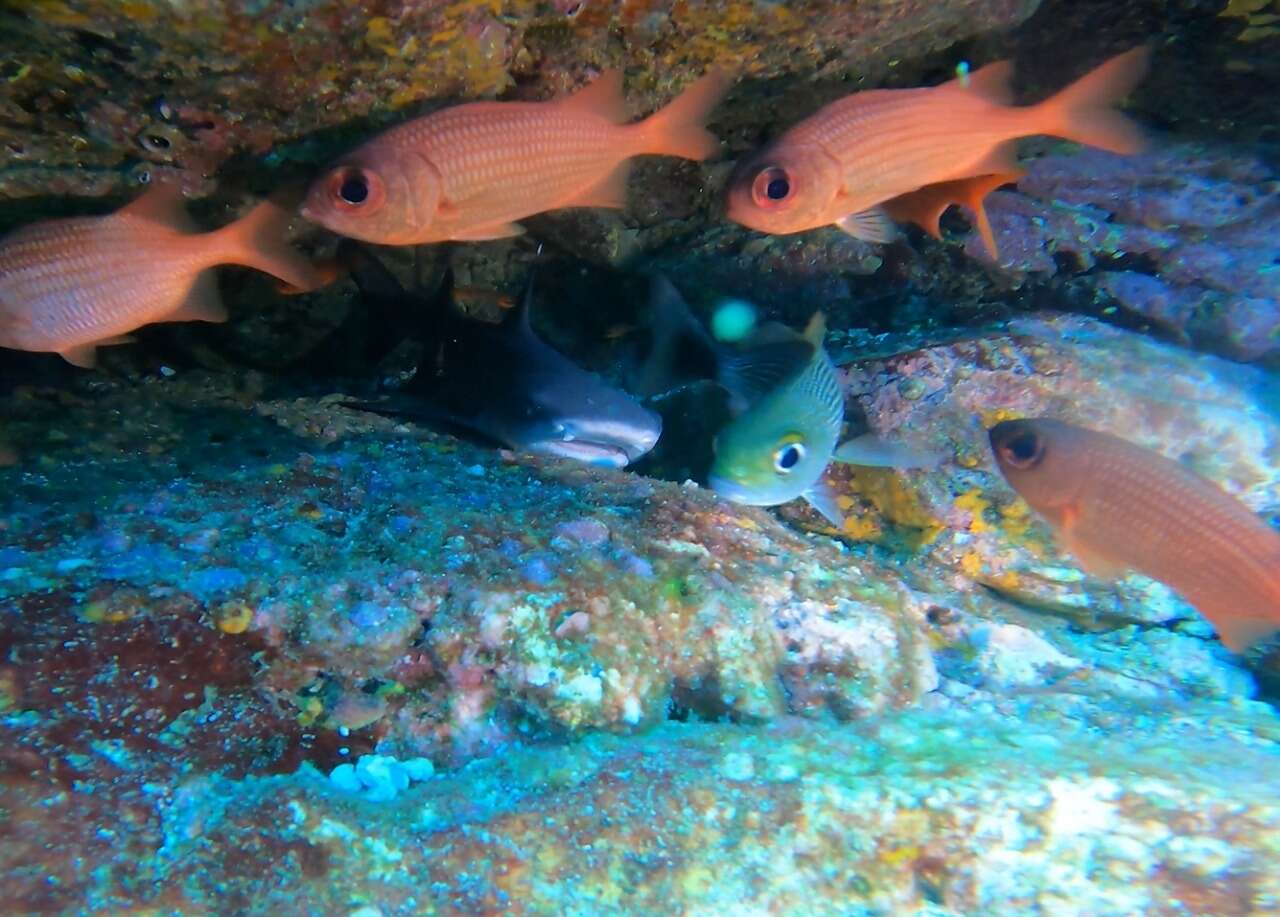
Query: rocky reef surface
561, 687
260, 653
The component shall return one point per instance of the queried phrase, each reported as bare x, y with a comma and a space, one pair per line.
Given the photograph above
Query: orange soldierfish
1118, 506
839, 166
470, 171
69, 286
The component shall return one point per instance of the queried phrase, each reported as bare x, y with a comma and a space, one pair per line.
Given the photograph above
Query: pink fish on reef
69, 286
874, 157
470, 171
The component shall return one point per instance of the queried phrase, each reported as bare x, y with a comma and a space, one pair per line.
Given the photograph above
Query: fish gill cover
264, 653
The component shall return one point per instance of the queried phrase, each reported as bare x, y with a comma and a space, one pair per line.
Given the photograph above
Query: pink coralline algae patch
1182, 237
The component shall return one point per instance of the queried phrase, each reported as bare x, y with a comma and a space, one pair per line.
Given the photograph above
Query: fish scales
70, 285
885, 150
472, 151
848, 163
1190, 533
471, 171
81, 288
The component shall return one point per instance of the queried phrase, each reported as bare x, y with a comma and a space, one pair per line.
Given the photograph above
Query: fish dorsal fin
994, 82
680, 350
815, 331
602, 97
164, 204
755, 371
519, 318
823, 497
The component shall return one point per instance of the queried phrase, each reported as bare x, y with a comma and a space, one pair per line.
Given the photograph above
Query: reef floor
261, 654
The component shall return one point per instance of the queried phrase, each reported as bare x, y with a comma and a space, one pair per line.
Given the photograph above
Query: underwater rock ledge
96, 91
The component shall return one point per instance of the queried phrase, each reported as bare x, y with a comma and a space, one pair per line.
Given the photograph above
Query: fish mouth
736, 493
602, 455
612, 442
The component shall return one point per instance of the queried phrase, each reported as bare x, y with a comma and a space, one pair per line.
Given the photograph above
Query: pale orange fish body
470, 171
68, 286
1118, 506
839, 165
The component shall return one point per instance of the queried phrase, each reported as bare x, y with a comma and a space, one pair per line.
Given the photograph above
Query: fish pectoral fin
873, 225
871, 451
611, 191
823, 497
202, 304
1089, 560
485, 233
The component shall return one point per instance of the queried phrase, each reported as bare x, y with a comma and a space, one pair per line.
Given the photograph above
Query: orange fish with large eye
885, 155
470, 171
1117, 506
69, 286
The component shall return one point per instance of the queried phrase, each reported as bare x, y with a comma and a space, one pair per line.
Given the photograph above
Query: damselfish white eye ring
788, 457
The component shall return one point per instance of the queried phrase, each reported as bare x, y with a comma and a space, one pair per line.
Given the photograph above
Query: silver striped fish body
777, 449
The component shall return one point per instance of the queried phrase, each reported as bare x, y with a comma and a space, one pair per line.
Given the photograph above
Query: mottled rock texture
95, 91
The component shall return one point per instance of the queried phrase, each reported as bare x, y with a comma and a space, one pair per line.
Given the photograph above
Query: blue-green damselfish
787, 406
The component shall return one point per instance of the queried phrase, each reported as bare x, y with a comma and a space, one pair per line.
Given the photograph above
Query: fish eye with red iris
1023, 450
772, 186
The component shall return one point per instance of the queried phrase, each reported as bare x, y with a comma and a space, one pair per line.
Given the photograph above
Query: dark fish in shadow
786, 402
500, 383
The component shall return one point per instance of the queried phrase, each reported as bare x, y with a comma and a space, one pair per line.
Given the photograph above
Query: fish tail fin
1084, 111
258, 240
679, 128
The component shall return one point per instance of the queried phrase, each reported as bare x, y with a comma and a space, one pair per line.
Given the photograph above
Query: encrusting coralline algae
262, 653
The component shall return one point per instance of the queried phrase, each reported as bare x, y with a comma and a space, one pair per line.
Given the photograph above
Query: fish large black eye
772, 186
354, 189
788, 457
1024, 450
